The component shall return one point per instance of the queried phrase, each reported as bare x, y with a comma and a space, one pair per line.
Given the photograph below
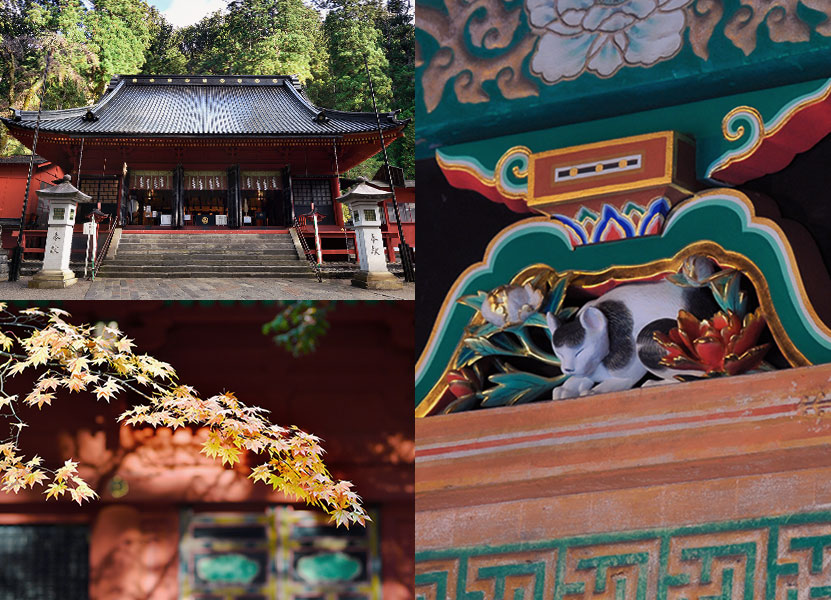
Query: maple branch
72, 357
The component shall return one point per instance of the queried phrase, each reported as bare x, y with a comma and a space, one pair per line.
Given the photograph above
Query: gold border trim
671, 138
516, 171
495, 181
764, 132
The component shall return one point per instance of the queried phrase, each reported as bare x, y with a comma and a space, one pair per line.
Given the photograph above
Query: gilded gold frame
725, 258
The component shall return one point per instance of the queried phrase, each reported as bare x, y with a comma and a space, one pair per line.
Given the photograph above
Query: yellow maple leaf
18, 367
359, 516
39, 398
124, 344
229, 455
260, 473
35, 477
6, 342
77, 364
39, 356
68, 468
212, 445
77, 495
75, 383
55, 490
48, 383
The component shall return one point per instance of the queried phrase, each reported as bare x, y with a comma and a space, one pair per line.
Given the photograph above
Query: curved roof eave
147, 107
11, 124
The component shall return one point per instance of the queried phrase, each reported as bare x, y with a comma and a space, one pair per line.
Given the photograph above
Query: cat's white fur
647, 302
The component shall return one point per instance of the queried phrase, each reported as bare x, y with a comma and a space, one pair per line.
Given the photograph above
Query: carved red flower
462, 382
721, 345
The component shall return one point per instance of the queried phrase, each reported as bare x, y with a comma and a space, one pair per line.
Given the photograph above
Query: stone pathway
204, 289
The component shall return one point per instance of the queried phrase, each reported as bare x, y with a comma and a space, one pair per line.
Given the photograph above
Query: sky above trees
181, 13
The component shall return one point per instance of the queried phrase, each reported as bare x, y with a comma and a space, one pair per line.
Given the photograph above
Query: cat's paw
562, 393
585, 387
573, 387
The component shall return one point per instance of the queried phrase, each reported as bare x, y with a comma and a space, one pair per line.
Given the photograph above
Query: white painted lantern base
376, 281
56, 272
49, 280
373, 274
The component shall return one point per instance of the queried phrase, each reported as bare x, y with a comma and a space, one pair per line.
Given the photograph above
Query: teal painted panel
532, 64
227, 568
328, 567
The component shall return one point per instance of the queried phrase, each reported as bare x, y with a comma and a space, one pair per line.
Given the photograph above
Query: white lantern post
362, 200
63, 203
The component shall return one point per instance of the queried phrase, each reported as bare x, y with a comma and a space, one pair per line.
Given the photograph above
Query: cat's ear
592, 319
553, 322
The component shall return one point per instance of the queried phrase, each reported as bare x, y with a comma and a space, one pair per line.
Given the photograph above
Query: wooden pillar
392, 242
124, 196
288, 197
336, 207
178, 197
234, 205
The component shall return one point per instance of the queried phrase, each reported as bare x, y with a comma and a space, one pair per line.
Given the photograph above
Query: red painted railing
390, 242
102, 251
34, 242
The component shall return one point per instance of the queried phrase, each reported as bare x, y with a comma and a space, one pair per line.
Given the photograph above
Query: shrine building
180, 152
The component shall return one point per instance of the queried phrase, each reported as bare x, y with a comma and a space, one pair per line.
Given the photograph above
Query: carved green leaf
464, 403
484, 347
517, 388
567, 312
466, 356
535, 320
484, 330
555, 296
474, 300
728, 293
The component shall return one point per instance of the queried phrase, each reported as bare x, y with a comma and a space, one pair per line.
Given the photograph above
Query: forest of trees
323, 42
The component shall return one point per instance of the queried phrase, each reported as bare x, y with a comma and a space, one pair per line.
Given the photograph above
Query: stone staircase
176, 255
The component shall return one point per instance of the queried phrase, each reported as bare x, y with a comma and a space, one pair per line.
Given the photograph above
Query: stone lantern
63, 204
362, 200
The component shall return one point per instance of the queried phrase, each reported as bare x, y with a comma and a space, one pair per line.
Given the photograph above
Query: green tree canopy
92, 42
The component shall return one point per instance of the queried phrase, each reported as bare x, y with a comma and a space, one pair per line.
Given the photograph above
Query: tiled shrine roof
168, 105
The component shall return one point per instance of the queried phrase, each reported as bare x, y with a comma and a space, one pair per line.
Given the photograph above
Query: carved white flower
601, 36
511, 304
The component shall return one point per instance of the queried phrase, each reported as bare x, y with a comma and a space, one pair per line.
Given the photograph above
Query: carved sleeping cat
609, 346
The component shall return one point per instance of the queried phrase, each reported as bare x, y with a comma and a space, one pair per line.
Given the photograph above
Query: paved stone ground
204, 289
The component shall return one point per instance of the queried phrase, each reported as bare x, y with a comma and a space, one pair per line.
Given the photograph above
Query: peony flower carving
601, 36
722, 345
510, 305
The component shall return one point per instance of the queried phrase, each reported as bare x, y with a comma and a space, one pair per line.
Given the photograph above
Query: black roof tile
170, 105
